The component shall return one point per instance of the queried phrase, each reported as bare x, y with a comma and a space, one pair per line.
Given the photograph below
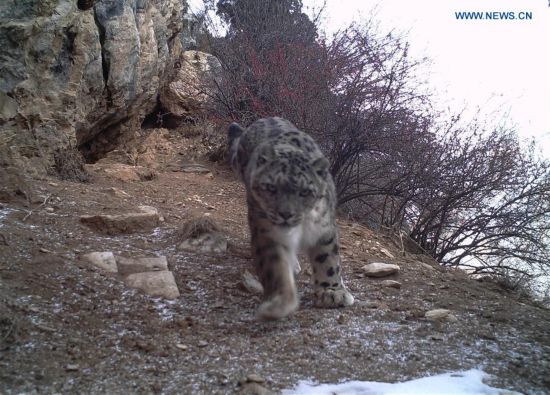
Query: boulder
440, 315
161, 283
380, 269
146, 219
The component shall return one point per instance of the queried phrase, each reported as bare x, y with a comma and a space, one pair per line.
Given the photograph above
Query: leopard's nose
285, 215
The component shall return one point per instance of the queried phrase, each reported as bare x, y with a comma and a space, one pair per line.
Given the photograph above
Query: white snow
469, 382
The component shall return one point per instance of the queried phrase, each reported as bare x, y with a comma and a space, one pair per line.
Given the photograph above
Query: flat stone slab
146, 218
380, 269
141, 264
102, 260
160, 283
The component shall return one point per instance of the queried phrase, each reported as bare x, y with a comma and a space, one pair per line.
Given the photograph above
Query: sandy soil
66, 327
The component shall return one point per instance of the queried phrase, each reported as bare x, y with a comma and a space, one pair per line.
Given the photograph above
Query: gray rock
251, 284
440, 315
195, 168
160, 283
146, 219
380, 269
141, 264
391, 284
103, 260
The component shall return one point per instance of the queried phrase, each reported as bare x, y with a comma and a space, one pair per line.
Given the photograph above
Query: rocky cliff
82, 72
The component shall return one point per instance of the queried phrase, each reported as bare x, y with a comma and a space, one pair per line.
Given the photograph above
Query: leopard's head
286, 183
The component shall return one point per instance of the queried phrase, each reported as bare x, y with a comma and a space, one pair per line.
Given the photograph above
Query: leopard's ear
234, 131
321, 166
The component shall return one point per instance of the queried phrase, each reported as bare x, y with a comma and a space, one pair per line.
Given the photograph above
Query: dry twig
34, 209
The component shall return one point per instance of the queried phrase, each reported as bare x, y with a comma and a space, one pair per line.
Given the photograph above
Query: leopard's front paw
277, 307
333, 297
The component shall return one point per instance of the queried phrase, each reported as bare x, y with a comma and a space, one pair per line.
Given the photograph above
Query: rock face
82, 73
187, 93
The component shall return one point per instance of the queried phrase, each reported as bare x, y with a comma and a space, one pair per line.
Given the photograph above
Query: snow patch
4, 214
469, 382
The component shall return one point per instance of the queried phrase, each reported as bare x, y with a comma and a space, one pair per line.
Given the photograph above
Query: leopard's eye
305, 192
269, 187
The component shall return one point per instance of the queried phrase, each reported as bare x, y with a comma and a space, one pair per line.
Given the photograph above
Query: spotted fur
291, 208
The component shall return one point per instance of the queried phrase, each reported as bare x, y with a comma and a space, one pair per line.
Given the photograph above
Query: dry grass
198, 226
69, 165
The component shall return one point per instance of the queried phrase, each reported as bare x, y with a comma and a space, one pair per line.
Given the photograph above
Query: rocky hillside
83, 73
81, 310
140, 280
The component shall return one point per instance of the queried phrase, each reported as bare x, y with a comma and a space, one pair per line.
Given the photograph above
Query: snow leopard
291, 201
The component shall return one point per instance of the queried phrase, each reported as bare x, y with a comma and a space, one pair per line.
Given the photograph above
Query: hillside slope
68, 327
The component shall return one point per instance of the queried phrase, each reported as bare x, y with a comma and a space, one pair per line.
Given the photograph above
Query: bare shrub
69, 165
196, 227
467, 193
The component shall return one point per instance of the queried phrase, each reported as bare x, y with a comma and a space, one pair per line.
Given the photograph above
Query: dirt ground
66, 327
